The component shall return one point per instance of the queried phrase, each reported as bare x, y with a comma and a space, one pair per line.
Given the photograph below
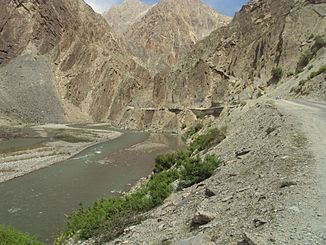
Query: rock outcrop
169, 30
235, 62
122, 16
85, 70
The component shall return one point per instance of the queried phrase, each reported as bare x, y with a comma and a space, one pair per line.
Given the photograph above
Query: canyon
179, 67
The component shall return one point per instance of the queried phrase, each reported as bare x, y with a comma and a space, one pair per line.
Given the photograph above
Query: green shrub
316, 73
193, 130
116, 213
110, 216
204, 141
307, 56
10, 236
260, 94
166, 161
196, 170
310, 67
320, 42
277, 73
304, 61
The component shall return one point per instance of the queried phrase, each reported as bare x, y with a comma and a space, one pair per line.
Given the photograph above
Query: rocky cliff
122, 16
235, 62
169, 30
69, 65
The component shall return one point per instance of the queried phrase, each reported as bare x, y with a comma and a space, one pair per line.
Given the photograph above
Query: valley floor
44, 146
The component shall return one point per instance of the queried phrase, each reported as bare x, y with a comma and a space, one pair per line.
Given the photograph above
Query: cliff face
86, 68
235, 62
122, 16
167, 31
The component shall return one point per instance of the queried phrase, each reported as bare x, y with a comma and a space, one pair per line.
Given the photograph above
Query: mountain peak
122, 16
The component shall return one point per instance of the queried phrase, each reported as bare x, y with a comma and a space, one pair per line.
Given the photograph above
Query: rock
241, 152
202, 218
259, 222
227, 198
209, 192
287, 183
243, 189
196, 240
246, 240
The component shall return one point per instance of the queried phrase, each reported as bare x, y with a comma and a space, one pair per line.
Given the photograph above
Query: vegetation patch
193, 130
10, 236
277, 74
317, 73
196, 170
212, 137
306, 57
111, 216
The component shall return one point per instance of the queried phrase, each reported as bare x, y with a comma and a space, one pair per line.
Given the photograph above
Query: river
39, 202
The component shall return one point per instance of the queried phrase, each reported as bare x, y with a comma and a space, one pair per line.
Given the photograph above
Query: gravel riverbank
60, 142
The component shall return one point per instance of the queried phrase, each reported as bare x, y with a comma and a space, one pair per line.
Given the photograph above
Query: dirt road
304, 220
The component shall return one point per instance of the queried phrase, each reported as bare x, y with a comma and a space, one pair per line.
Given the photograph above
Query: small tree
277, 74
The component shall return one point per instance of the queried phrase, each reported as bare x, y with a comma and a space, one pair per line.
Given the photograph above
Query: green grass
110, 216
10, 236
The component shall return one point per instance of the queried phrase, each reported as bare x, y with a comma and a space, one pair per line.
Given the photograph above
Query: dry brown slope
169, 30
87, 62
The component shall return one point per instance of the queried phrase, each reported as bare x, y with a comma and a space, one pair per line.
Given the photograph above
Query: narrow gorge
162, 122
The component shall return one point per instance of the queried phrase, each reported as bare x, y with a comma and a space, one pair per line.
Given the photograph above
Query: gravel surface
63, 143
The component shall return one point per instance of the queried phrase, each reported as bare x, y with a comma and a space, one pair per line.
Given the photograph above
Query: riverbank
46, 145
39, 202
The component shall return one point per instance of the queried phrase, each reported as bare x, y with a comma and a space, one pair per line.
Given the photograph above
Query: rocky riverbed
24, 150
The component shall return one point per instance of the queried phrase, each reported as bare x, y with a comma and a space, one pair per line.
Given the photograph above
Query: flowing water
39, 202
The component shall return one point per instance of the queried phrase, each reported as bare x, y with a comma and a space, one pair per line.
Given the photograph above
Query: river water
39, 202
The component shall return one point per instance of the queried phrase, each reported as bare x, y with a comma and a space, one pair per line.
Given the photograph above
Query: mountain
122, 16
167, 31
60, 62
235, 63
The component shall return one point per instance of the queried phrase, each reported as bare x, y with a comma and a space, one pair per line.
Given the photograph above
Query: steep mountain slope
235, 62
69, 66
122, 16
169, 30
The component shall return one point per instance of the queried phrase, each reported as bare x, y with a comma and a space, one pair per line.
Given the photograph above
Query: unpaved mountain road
304, 220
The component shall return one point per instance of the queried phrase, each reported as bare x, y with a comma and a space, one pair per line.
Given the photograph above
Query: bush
196, 170
116, 213
320, 42
202, 142
166, 161
111, 216
277, 73
317, 73
193, 130
307, 56
304, 61
10, 236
